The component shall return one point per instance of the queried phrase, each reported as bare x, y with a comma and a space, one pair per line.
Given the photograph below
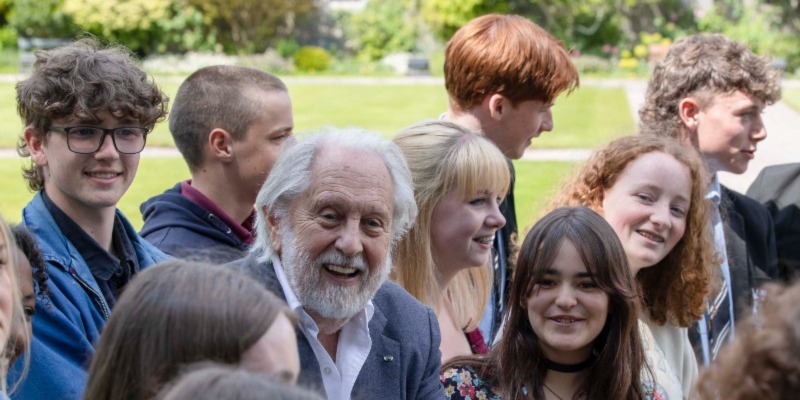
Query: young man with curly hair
502, 74
87, 111
710, 92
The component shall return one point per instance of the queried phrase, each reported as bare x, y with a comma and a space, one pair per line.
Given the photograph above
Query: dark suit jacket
404, 360
750, 243
778, 188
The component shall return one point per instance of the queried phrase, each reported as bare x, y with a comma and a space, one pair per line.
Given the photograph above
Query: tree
245, 26
383, 27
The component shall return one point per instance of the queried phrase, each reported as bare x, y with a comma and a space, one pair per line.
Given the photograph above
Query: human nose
495, 219
349, 240
661, 217
759, 130
566, 297
547, 121
107, 148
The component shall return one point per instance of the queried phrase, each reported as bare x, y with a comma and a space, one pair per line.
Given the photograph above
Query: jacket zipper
97, 296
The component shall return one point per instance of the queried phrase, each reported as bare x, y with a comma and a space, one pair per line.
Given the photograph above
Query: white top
351, 351
664, 380
674, 344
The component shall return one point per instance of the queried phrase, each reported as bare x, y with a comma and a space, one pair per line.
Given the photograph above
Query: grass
588, 118
536, 181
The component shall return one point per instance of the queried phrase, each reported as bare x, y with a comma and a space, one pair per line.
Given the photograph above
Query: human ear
272, 225
35, 143
221, 144
497, 105
688, 108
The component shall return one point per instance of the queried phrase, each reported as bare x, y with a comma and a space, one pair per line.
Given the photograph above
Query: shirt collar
243, 230
101, 263
294, 302
714, 191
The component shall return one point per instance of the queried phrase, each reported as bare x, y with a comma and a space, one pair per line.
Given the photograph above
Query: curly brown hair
703, 66
83, 79
764, 360
675, 288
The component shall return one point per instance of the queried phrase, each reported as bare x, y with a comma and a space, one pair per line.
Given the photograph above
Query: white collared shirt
351, 352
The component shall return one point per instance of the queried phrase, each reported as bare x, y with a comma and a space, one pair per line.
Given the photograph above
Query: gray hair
291, 176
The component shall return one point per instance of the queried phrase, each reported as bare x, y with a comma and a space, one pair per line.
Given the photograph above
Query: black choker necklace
568, 368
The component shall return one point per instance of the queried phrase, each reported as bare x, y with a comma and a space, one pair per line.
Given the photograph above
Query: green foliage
758, 26
248, 26
446, 16
8, 38
40, 18
384, 27
286, 47
144, 26
312, 58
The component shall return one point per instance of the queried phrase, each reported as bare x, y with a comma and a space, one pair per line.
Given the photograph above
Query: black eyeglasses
89, 139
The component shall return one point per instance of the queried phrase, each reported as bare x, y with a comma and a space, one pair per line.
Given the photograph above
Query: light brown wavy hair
83, 79
763, 362
674, 289
703, 66
509, 55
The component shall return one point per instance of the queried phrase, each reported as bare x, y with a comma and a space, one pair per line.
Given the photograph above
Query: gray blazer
404, 360
778, 188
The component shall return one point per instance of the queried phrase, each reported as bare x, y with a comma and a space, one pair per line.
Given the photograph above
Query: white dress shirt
354, 345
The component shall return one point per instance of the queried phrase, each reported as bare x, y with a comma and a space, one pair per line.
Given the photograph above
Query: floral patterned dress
463, 383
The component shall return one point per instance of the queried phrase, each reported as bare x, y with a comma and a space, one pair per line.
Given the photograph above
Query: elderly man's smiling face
335, 245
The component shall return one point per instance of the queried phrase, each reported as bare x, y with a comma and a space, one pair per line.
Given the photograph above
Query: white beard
316, 293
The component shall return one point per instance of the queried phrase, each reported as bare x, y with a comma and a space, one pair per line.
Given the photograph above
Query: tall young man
709, 92
87, 111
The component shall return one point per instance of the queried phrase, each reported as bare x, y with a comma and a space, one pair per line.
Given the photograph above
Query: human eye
587, 285
128, 133
678, 211
374, 224
546, 283
83, 132
29, 312
477, 201
645, 197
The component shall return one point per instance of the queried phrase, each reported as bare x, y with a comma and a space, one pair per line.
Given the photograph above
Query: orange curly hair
675, 288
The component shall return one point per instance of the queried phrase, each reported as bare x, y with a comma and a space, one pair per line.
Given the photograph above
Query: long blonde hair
442, 157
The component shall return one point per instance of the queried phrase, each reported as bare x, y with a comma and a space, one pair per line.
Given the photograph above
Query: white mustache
336, 257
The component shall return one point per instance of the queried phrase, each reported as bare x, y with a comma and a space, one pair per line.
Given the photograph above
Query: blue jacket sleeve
63, 334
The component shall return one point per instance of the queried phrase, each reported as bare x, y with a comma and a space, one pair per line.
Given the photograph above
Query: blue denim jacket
65, 331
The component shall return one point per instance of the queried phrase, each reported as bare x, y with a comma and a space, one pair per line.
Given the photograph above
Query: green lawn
588, 118
791, 97
536, 181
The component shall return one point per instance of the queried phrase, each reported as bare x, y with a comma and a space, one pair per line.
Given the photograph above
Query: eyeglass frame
106, 132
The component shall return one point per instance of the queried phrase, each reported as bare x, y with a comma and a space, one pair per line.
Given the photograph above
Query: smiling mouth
341, 270
565, 320
102, 175
485, 239
650, 236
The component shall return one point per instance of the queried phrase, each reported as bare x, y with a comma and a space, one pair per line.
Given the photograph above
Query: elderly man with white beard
328, 217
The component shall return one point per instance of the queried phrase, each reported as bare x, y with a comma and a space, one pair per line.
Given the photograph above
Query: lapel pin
388, 358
